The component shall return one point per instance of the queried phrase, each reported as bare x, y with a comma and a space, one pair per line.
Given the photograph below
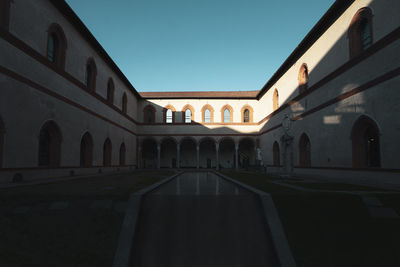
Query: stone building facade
331, 109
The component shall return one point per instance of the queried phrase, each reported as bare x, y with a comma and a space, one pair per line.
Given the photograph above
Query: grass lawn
335, 186
332, 229
83, 232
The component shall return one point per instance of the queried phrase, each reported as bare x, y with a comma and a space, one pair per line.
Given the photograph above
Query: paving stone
21, 210
102, 204
120, 206
59, 205
381, 212
372, 201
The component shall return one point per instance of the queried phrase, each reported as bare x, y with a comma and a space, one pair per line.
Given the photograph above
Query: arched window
303, 78
2, 131
149, 114
56, 45
124, 103
276, 154
360, 32
365, 143
110, 91
107, 151
90, 77
246, 115
5, 13
50, 145
86, 152
275, 100
207, 114
304, 151
227, 114
188, 116
169, 116
122, 154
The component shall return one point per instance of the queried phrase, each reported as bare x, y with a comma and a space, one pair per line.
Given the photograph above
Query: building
331, 109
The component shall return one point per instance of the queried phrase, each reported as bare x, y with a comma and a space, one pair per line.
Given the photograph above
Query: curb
271, 215
124, 248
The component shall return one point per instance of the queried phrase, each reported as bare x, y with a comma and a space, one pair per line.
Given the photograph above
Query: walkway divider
271, 215
124, 249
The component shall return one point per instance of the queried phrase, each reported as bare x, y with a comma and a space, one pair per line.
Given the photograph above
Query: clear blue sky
199, 45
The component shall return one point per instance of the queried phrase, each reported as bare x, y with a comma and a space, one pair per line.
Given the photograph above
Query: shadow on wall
334, 118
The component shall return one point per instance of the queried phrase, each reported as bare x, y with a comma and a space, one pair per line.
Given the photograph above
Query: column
158, 155
217, 156
178, 155
198, 156
139, 157
236, 156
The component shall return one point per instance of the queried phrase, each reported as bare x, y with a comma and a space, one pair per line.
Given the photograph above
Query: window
360, 32
86, 153
50, 145
365, 143
304, 151
110, 91
246, 115
5, 13
90, 77
188, 116
56, 45
276, 154
227, 115
107, 152
124, 104
207, 115
51, 48
303, 78
207, 112
169, 116
149, 114
275, 100
122, 153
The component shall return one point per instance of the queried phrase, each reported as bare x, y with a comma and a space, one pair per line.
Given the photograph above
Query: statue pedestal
287, 145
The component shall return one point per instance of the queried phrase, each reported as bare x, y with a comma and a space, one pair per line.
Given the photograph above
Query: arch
90, 75
149, 153
303, 78
185, 118
188, 157
207, 153
227, 153
124, 103
122, 155
275, 100
2, 132
107, 152
304, 151
169, 114
5, 14
168, 153
226, 114
365, 136
49, 145
56, 45
86, 150
110, 91
247, 114
247, 153
207, 114
276, 156
149, 114
360, 32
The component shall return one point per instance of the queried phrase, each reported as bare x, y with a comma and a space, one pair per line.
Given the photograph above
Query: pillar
158, 155
236, 156
217, 156
198, 156
178, 155
139, 157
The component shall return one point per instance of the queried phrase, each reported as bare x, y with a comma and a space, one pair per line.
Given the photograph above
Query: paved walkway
199, 219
